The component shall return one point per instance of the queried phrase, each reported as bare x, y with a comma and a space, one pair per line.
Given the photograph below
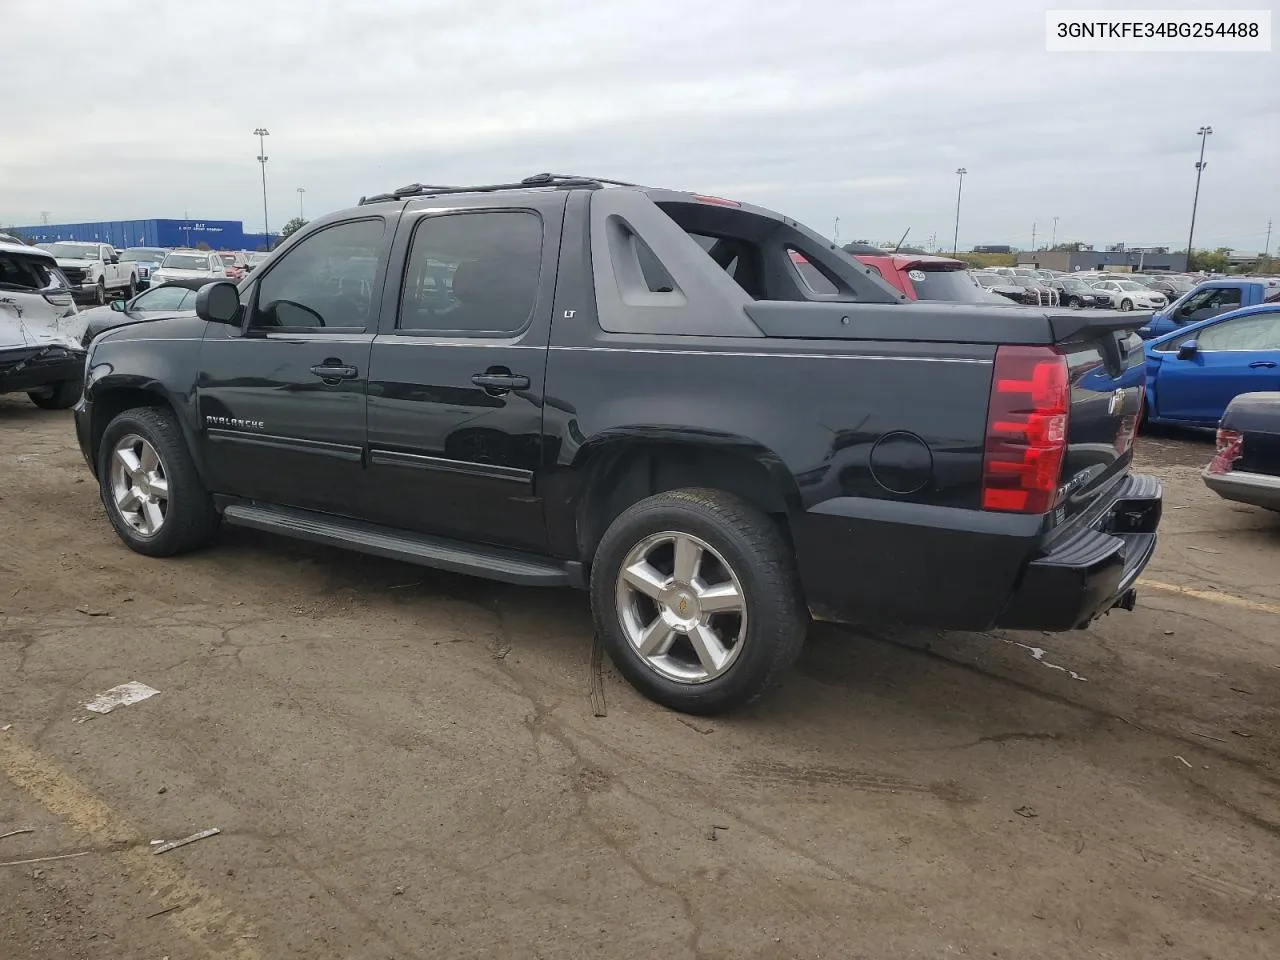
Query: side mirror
115, 258
117, 306
218, 302
1188, 350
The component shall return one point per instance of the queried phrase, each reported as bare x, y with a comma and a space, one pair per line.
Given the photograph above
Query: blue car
1210, 299
1194, 372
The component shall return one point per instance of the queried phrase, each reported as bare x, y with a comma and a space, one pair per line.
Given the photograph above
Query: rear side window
813, 278
473, 274
24, 273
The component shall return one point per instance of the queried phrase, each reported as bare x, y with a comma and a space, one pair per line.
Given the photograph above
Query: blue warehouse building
217, 234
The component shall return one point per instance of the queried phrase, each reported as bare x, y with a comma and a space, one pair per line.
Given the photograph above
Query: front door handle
501, 381
1261, 363
335, 371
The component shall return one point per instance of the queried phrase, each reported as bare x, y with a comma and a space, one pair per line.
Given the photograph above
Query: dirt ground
405, 764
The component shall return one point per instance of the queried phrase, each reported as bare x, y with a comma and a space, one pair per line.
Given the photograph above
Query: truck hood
76, 264
16, 333
102, 321
180, 324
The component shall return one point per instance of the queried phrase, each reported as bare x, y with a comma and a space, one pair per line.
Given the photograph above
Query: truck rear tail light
1026, 437
1127, 431
1230, 449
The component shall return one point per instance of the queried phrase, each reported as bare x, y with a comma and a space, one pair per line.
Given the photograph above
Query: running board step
480, 561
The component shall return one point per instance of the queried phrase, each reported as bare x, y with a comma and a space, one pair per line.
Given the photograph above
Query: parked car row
98, 271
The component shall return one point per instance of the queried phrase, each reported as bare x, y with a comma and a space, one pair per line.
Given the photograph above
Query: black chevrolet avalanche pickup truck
635, 391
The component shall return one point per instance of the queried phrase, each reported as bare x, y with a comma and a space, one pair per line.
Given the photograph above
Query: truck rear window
954, 285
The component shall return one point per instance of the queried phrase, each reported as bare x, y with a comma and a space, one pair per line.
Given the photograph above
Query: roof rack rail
537, 180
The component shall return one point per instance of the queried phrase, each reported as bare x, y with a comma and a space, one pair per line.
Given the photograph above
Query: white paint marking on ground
1228, 599
1037, 653
121, 696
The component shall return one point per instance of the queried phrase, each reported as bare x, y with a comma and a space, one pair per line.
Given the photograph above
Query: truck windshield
186, 261
74, 251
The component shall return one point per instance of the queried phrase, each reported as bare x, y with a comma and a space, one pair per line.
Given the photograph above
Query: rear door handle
331, 371
501, 381
1261, 363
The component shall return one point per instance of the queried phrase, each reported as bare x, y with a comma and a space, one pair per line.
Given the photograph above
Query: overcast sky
823, 109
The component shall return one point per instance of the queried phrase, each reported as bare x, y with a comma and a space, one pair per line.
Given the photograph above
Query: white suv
40, 352
188, 265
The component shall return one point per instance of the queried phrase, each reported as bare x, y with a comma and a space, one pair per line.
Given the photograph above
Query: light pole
301, 191
260, 133
1200, 164
955, 240
1053, 238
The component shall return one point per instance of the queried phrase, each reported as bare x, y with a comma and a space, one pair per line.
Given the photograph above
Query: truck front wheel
100, 292
150, 487
695, 598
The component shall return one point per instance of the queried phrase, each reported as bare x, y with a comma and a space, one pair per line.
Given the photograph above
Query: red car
235, 263
923, 277
919, 276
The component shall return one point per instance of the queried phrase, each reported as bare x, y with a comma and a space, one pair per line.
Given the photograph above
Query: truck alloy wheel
695, 599
100, 293
149, 484
682, 607
139, 485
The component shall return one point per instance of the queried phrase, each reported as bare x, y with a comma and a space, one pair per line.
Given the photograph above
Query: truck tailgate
1107, 383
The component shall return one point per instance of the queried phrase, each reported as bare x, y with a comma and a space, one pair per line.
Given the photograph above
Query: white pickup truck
94, 270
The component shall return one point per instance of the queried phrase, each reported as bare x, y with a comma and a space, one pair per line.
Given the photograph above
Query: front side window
1244, 333
325, 281
162, 298
472, 274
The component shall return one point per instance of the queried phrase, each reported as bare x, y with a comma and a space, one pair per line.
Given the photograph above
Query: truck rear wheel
694, 596
149, 485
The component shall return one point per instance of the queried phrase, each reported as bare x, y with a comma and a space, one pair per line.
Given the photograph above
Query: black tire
64, 395
753, 546
1073, 302
190, 521
131, 291
100, 292
1126, 305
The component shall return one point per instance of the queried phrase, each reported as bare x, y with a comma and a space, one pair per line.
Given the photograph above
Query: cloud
823, 109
